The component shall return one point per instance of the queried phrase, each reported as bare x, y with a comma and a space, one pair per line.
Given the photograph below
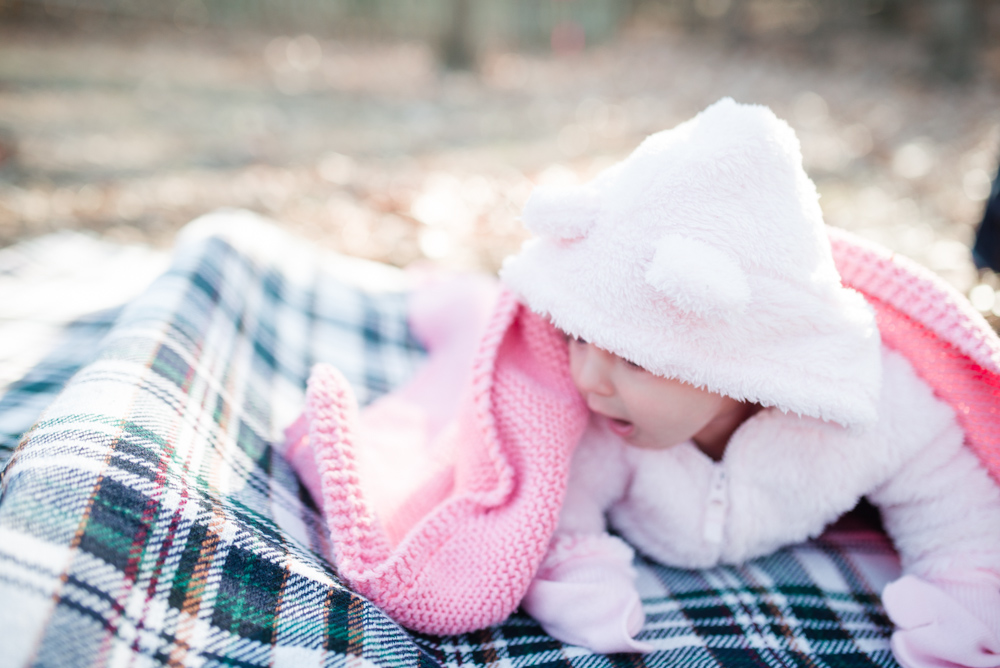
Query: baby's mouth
623, 428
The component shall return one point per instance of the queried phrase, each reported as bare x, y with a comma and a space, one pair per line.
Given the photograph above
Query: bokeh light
350, 123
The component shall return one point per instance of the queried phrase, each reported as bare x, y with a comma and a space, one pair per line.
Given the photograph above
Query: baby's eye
632, 365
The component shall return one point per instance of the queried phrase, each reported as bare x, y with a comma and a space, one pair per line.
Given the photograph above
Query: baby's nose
593, 372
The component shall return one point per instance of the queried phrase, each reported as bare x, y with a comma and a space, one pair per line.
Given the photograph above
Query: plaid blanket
146, 518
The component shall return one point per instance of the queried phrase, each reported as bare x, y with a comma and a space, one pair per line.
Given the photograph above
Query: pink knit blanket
456, 550
946, 340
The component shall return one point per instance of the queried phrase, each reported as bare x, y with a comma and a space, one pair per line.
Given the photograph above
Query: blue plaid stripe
147, 519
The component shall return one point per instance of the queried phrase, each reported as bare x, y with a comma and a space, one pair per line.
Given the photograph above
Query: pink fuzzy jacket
471, 524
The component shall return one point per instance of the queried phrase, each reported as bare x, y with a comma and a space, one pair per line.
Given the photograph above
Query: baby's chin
652, 444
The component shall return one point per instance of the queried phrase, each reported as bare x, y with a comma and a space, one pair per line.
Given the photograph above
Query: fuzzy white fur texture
703, 256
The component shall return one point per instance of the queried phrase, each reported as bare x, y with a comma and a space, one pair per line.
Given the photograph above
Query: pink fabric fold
452, 541
946, 340
584, 594
945, 623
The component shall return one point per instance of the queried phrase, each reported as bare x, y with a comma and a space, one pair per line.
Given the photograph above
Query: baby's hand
584, 594
944, 623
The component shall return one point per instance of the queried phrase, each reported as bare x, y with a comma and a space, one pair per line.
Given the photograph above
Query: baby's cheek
575, 361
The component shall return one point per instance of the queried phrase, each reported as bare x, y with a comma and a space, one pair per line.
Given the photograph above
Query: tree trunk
457, 51
952, 37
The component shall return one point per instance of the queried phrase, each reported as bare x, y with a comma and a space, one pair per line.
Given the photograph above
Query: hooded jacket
703, 257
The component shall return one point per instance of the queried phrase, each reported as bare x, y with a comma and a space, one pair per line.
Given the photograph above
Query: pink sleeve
584, 594
942, 510
945, 622
298, 453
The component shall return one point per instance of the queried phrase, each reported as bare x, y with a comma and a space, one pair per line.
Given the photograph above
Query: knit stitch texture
948, 343
466, 563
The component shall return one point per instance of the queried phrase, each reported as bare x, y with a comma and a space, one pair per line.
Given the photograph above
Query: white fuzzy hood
703, 257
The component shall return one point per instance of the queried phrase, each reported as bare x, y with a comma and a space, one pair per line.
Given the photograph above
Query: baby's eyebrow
580, 339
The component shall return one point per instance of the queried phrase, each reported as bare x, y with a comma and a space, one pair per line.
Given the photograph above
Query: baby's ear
698, 278
562, 212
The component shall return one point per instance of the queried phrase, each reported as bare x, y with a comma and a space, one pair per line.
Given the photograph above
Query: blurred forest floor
373, 150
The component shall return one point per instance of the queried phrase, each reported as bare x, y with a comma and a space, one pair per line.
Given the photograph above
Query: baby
740, 399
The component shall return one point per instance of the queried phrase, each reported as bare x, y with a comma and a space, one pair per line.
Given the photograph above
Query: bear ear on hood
698, 278
565, 212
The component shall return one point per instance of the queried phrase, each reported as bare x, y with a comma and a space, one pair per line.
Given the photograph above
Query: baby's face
646, 410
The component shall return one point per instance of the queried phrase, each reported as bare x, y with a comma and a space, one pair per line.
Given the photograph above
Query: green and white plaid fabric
146, 519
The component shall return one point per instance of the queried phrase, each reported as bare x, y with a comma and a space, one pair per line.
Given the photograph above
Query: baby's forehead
572, 338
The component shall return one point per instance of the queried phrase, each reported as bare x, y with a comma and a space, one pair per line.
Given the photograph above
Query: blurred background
401, 130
